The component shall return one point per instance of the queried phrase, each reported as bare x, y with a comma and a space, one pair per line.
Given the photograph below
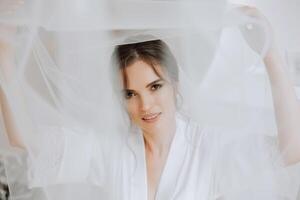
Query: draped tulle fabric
78, 142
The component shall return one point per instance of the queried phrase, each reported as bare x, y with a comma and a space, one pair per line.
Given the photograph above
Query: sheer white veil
61, 87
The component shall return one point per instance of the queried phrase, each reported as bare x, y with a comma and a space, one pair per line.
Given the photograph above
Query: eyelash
155, 87
128, 95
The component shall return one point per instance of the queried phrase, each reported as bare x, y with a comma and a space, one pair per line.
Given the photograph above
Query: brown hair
153, 52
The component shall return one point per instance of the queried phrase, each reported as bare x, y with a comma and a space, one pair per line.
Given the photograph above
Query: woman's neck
158, 143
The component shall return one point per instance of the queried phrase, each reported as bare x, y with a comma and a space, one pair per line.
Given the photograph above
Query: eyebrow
148, 85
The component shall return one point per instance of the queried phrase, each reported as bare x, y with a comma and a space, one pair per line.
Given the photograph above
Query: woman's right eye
129, 94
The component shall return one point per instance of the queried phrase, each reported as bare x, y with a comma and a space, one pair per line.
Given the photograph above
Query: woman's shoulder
198, 132
195, 132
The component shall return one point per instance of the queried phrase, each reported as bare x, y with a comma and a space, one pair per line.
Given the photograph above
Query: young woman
149, 77
167, 155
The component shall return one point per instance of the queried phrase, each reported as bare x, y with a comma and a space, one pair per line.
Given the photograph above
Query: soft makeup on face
149, 96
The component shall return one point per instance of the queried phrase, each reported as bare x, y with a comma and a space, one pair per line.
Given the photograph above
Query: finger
248, 10
10, 6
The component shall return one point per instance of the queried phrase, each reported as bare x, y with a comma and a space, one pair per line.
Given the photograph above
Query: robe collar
172, 168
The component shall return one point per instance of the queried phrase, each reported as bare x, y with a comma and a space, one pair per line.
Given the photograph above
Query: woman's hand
10, 6
258, 32
8, 32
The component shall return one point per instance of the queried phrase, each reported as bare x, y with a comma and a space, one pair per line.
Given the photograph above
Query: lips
151, 117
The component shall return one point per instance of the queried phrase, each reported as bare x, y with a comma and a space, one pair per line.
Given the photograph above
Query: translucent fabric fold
76, 140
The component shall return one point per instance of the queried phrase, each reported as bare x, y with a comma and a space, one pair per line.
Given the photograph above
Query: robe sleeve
64, 155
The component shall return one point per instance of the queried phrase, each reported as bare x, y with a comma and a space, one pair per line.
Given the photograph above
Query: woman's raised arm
287, 107
286, 104
8, 70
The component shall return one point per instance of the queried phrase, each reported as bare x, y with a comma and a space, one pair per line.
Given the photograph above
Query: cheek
167, 99
132, 108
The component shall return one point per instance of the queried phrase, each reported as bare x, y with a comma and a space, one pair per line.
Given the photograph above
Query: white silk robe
201, 165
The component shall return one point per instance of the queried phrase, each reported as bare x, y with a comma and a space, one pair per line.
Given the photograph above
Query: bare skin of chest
155, 165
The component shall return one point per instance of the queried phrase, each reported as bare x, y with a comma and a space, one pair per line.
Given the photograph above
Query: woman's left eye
156, 87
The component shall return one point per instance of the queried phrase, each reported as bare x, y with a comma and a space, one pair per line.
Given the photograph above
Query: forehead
141, 73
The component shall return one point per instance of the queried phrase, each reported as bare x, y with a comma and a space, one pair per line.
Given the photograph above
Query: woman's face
150, 99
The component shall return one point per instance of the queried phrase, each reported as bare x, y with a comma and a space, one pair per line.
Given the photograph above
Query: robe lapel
174, 163
171, 171
138, 179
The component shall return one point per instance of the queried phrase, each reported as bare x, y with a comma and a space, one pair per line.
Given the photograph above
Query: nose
146, 102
